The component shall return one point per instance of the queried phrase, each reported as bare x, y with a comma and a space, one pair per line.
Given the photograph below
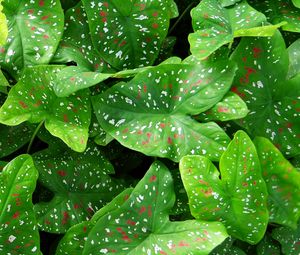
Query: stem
34, 135
181, 17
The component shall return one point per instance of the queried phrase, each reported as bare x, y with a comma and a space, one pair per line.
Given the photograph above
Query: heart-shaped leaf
76, 44
13, 138
239, 199
35, 28
294, 57
150, 113
215, 25
32, 99
273, 101
128, 34
289, 239
280, 11
268, 246
73, 241
81, 185
3, 26
18, 232
142, 226
230, 108
283, 183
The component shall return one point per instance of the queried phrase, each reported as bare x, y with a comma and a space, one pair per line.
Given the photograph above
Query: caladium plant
149, 127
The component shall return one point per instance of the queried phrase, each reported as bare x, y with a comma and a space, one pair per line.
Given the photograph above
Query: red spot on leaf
33, 28
155, 25
170, 141
163, 253
155, 14
84, 229
183, 244
47, 222
65, 218
2, 50
142, 210
245, 184
46, 36
103, 13
65, 117
289, 125
105, 4
130, 222
256, 52
45, 17
149, 211
76, 206
223, 109
38, 103
153, 178
23, 105
16, 215
30, 11
41, 3
62, 173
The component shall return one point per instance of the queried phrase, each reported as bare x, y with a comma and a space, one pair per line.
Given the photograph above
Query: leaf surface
81, 185
32, 99
238, 199
3, 26
283, 183
35, 29
18, 231
150, 113
294, 59
273, 100
141, 225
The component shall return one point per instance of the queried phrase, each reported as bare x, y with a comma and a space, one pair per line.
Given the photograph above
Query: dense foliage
132, 127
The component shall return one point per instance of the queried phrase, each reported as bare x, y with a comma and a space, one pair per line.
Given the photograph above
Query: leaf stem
181, 17
34, 135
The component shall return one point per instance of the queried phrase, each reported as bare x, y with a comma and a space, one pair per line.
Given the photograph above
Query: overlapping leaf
76, 44
238, 199
150, 113
294, 58
280, 11
141, 225
289, 239
283, 183
32, 99
231, 107
18, 231
215, 25
128, 34
35, 28
268, 246
75, 238
81, 185
3, 26
273, 100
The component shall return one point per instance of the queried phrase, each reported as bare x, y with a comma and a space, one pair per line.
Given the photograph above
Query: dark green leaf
32, 99
35, 28
141, 225
150, 113
273, 101
239, 199
283, 183
3, 82
268, 246
18, 231
289, 239
81, 185
294, 57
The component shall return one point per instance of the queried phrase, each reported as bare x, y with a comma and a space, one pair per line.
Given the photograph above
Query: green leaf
33, 99
35, 28
215, 26
3, 26
239, 199
283, 184
150, 113
280, 11
289, 239
226, 3
76, 44
13, 138
273, 101
231, 107
268, 246
141, 225
128, 34
81, 185
294, 59
18, 232
3, 82
296, 3
73, 241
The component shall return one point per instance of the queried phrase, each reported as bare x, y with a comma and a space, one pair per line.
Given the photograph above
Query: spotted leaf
18, 231
13, 138
73, 241
294, 58
150, 113
141, 225
35, 28
230, 108
268, 246
283, 183
239, 199
215, 26
32, 99
289, 239
279, 11
81, 185
3, 26
76, 44
273, 100
128, 34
